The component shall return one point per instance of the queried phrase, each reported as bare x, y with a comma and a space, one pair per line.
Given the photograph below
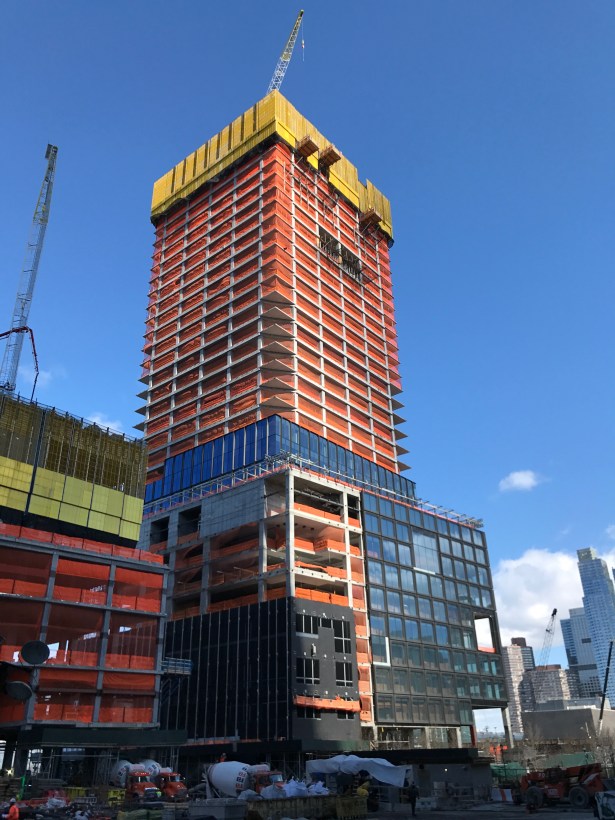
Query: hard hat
12, 800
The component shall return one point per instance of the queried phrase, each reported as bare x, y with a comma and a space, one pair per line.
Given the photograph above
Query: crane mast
287, 53
27, 280
541, 670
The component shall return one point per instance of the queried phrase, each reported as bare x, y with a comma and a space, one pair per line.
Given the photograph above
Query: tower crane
548, 641
287, 53
27, 280
544, 657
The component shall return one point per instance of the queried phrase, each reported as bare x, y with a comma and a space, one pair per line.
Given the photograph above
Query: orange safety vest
13, 812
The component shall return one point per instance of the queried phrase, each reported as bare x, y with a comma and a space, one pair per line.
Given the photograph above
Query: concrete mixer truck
230, 778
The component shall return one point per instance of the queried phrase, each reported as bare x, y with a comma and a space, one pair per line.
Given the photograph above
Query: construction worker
13, 812
413, 794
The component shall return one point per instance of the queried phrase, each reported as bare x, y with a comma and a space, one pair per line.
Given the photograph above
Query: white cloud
610, 532
103, 420
520, 480
26, 375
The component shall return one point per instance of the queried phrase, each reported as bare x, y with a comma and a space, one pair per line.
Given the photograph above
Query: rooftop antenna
287, 53
27, 280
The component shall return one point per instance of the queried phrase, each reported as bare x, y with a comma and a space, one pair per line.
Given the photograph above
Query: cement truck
230, 778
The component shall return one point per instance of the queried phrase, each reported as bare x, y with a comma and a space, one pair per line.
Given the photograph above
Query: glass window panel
439, 611
372, 522
370, 502
432, 683
376, 598
401, 512
444, 659
472, 573
453, 614
478, 537
427, 632
425, 608
405, 556
429, 522
467, 618
471, 664
460, 570
442, 526
379, 649
398, 653
401, 681
474, 688
463, 690
454, 529
436, 711
450, 590
384, 708
483, 577
383, 679
442, 636
415, 517
430, 657
468, 552
475, 595
437, 588
407, 579
445, 545
481, 556
414, 657
487, 598
459, 662
422, 583
373, 546
403, 533
447, 567
387, 527
463, 594
409, 604
457, 549
394, 602
456, 639
466, 534
417, 683
419, 708
374, 570
386, 507
378, 625
402, 710
469, 640
396, 629
412, 630
389, 550
391, 576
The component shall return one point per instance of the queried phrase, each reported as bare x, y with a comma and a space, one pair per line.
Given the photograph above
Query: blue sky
490, 124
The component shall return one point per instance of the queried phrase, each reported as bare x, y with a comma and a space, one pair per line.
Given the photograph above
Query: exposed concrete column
510, 741
290, 534
347, 547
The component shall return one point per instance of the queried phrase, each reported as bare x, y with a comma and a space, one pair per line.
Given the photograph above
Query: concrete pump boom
27, 280
287, 53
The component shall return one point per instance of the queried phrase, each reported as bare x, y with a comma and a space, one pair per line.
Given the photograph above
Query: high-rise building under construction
322, 605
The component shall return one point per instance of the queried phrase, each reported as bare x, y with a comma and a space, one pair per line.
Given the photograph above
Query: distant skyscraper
513, 661
527, 652
580, 653
599, 606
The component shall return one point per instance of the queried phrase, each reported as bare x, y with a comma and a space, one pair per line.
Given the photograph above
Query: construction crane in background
27, 280
548, 641
541, 671
27, 330
287, 53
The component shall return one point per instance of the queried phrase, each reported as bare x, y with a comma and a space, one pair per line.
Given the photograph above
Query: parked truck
574, 784
172, 785
139, 787
230, 778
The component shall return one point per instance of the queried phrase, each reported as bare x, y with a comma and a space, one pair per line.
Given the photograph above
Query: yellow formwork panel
273, 114
15, 474
74, 514
107, 501
106, 523
77, 492
132, 511
14, 499
48, 507
130, 530
48, 484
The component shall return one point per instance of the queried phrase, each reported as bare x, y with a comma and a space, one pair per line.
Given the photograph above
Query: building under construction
71, 577
322, 605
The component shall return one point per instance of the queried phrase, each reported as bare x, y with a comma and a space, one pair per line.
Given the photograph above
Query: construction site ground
489, 811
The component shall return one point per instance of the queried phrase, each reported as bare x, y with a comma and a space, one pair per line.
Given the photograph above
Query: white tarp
377, 767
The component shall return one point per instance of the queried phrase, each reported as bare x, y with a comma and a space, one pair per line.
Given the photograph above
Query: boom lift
287, 53
25, 290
